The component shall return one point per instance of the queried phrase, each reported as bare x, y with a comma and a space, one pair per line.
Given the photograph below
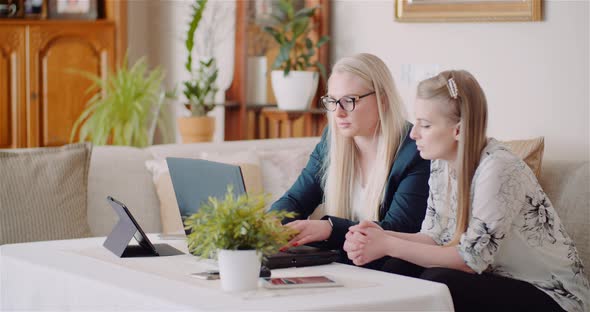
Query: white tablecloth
82, 275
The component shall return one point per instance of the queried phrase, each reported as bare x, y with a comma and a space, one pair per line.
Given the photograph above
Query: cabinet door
58, 93
12, 86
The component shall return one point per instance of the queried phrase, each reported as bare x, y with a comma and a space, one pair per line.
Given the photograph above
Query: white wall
535, 75
157, 30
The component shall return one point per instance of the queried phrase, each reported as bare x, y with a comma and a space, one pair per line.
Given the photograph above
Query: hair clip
452, 86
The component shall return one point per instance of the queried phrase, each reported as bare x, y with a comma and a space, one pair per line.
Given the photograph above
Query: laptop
194, 180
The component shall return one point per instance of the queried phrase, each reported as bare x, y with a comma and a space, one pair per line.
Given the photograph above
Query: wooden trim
324, 52
235, 118
116, 11
12, 52
477, 11
49, 22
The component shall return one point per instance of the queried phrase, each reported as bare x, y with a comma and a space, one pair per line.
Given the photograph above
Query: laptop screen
194, 180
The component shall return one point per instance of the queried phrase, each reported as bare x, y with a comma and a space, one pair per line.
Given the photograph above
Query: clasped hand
365, 242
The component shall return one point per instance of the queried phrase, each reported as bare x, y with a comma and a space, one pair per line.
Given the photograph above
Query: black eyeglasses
347, 103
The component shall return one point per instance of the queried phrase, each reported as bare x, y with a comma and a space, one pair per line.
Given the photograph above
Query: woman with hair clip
490, 233
365, 167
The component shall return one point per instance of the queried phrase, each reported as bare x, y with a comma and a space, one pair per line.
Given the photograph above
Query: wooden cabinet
40, 63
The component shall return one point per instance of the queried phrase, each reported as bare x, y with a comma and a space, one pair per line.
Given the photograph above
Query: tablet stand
118, 241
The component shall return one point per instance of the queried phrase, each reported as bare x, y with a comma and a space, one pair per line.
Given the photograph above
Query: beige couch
121, 172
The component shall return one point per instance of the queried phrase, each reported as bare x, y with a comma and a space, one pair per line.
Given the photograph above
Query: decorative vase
239, 270
296, 90
196, 129
256, 91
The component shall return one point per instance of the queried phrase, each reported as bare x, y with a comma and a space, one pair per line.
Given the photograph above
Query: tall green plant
200, 90
198, 8
126, 107
292, 35
201, 87
237, 223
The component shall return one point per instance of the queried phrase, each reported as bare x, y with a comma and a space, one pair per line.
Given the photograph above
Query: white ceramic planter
239, 269
295, 91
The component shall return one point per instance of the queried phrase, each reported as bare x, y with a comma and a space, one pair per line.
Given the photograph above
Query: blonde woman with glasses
366, 167
490, 233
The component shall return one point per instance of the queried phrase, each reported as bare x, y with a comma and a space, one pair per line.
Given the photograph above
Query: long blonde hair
339, 167
469, 109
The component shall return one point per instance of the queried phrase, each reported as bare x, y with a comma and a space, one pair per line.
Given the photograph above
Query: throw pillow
531, 151
43, 193
169, 211
280, 169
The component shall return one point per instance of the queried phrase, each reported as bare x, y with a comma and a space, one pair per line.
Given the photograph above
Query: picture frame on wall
11, 8
35, 8
468, 10
73, 9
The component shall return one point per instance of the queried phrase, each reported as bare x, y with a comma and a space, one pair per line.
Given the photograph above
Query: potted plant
293, 84
239, 231
200, 89
127, 108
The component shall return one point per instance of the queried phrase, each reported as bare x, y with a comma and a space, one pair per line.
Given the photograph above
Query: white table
82, 275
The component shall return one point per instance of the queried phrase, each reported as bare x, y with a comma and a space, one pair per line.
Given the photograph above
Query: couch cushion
119, 171
43, 193
280, 168
189, 150
531, 151
169, 211
567, 184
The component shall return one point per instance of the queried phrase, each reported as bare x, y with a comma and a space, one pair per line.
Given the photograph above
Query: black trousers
474, 292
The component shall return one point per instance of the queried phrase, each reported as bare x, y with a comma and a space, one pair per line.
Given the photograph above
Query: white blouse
513, 229
358, 202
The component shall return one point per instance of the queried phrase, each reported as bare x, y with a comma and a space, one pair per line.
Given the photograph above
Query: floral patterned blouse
513, 230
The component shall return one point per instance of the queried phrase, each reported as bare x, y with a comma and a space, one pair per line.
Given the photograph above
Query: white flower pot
295, 91
239, 269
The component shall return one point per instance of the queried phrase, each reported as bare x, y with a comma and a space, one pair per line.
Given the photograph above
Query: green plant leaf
287, 69
122, 107
277, 36
322, 69
286, 7
295, 48
198, 7
279, 19
299, 27
236, 223
308, 44
306, 12
322, 40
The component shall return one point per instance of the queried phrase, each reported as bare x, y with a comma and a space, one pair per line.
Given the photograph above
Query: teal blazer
402, 209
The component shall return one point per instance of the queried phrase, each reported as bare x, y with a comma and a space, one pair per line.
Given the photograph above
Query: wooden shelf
277, 123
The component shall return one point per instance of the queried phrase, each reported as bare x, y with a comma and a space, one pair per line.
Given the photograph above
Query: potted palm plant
238, 231
295, 81
127, 109
200, 89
